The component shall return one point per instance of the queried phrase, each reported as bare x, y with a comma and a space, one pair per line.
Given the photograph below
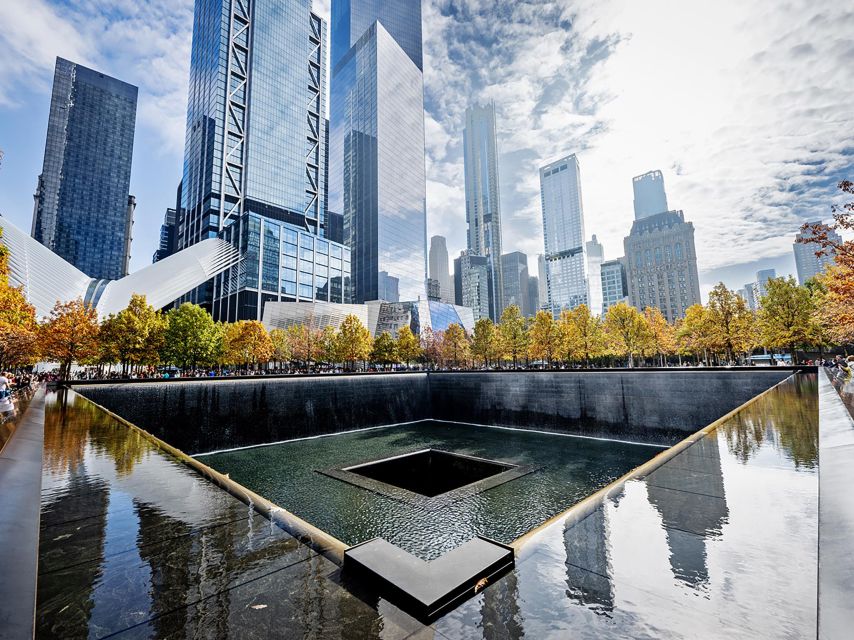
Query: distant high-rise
533, 295
514, 267
649, 194
807, 263
255, 155
661, 264
83, 211
746, 292
376, 155
439, 268
595, 258
760, 287
166, 247
472, 283
563, 231
542, 285
614, 287
483, 208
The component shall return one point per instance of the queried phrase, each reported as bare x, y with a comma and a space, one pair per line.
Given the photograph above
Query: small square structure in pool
430, 472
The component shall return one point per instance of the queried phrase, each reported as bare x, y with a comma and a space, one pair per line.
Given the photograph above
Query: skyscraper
661, 264
514, 267
595, 258
82, 209
760, 287
807, 263
376, 154
255, 154
483, 208
472, 283
533, 294
439, 268
614, 287
542, 284
649, 194
563, 232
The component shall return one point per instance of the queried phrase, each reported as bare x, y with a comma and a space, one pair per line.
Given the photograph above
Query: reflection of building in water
587, 570
692, 517
500, 610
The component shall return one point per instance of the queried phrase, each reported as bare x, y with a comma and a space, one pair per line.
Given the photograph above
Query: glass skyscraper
376, 154
650, 197
82, 209
563, 232
255, 144
483, 208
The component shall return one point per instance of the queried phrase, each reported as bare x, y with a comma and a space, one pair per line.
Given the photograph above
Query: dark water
570, 468
721, 542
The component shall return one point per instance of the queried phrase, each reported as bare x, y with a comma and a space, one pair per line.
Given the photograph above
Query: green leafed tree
385, 350
192, 338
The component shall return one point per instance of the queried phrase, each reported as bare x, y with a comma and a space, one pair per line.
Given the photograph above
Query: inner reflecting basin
563, 470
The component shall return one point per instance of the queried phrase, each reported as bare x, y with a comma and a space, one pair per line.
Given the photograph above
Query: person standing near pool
6, 404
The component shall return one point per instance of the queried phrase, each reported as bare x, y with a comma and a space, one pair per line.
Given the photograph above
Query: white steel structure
46, 278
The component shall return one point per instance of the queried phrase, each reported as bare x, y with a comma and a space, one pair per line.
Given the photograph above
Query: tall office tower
254, 156
543, 290
746, 292
563, 232
439, 268
472, 283
807, 263
82, 210
483, 208
595, 258
514, 268
533, 295
376, 154
614, 287
760, 287
166, 247
649, 194
661, 264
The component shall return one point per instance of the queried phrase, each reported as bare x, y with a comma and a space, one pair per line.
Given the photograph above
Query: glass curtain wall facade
82, 209
376, 154
483, 208
807, 263
614, 287
472, 283
650, 197
256, 134
514, 267
282, 262
563, 231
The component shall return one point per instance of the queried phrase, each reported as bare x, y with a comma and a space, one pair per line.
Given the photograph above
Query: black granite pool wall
640, 405
198, 416
662, 406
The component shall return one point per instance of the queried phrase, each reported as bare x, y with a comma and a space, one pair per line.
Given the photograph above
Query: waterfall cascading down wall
202, 415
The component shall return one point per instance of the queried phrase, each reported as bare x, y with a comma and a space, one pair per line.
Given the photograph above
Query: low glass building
281, 262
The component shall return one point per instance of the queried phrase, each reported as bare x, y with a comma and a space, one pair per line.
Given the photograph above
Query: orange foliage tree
70, 334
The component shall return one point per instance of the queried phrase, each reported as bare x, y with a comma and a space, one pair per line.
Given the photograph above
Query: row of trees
791, 317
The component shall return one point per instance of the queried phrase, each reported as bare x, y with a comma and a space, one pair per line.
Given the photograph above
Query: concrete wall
197, 416
649, 406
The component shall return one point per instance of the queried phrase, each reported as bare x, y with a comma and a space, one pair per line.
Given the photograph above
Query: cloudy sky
745, 106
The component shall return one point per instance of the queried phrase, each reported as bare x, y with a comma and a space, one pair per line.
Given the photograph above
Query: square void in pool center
430, 472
